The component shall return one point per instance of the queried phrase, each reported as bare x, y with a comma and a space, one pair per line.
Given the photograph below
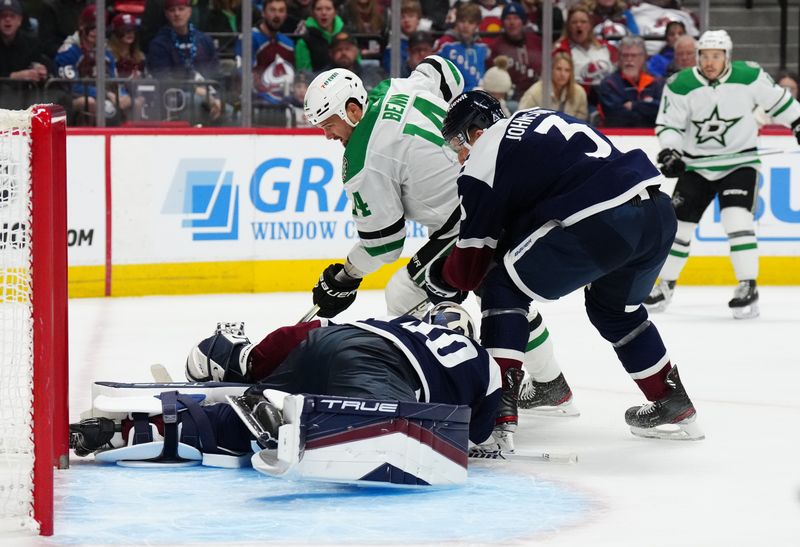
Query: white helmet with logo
328, 94
715, 39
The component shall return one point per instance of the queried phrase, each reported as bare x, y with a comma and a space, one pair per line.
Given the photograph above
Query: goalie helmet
715, 39
471, 110
451, 316
328, 94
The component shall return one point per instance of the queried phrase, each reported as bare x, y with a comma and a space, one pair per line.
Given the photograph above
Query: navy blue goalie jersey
453, 369
538, 166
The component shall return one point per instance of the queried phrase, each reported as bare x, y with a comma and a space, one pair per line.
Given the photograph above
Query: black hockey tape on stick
476, 453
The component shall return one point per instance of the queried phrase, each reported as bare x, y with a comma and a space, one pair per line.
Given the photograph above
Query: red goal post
34, 417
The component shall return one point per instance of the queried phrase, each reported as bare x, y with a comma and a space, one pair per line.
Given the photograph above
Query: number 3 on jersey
360, 207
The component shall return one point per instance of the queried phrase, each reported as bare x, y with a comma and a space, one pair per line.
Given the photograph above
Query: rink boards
230, 210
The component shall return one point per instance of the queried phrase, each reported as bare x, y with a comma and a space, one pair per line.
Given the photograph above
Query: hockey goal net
34, 430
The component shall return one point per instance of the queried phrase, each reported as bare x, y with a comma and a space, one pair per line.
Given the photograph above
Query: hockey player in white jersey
396, 168
708, 133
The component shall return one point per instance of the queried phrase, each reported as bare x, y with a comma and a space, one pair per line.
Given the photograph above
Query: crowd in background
179, 61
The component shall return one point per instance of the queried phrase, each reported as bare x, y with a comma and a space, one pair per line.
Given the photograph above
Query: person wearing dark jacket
312, 51
181, 52
630, 96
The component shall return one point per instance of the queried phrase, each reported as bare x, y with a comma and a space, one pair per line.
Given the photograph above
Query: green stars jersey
397, 167
712, 123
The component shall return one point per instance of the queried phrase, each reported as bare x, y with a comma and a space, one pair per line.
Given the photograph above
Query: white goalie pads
364, 441
119, 401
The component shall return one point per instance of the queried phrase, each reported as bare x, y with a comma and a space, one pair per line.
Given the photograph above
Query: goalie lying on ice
397, 401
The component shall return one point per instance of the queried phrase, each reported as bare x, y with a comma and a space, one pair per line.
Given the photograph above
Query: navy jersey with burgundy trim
453, 369
534, 167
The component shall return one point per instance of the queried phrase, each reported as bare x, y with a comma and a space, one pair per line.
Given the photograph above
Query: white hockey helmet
328, 94
715, 39
451, 316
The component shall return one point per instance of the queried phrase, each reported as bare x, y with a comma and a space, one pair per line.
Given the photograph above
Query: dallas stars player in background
708, 134
397, 167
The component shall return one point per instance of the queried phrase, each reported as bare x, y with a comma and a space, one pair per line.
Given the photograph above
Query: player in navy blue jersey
434, 360
550, 205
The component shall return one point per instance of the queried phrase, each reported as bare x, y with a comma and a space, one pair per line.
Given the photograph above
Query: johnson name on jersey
396, 168
539, 166
453, 369
704, 119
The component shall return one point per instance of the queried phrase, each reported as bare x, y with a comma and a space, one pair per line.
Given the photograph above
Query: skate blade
564, 410
686, 430
746, 312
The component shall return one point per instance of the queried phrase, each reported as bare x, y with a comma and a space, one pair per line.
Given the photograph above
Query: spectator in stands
434, 14
592, 59
410, 16
366, 17
657, 64
521, 46
20, 56
124, 45
59, 20
181, 52
273, 55
464, 47
685, 55
344, 54
298, 11
565, 95
497, 82
789, 81
225, 16
75, 60
611, 19
312, 51
491, 13
533, 10
299, 88
630, 97
420, 45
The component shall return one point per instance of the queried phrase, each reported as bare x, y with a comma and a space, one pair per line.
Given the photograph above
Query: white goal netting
16, 324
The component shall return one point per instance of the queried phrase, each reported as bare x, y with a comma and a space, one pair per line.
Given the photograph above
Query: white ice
739, 486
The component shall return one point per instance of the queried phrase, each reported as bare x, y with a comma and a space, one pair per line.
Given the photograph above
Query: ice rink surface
739, 486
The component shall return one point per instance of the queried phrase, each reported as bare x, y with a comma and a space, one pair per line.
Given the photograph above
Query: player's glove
796, 129
672, 164
437, 288
334, 294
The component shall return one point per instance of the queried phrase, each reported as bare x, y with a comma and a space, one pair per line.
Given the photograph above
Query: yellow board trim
301, 275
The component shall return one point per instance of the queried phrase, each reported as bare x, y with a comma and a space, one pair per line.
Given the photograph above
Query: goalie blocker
316, 437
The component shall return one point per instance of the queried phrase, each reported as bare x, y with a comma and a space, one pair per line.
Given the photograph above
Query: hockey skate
553, 398
261, 417
507, 413
660, 297
672, 417
744, 303
91, 434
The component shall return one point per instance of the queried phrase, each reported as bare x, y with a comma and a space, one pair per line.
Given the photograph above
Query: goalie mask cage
34, 420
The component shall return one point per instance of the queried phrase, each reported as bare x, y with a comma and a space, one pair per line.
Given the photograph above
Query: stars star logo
714, 128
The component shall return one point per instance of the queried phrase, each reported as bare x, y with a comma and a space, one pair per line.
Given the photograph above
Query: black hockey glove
333, 295
437, 288
796, 129
671, 163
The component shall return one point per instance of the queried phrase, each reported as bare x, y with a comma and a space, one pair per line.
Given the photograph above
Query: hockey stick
160, 374
697, 163
310, 314
477, 453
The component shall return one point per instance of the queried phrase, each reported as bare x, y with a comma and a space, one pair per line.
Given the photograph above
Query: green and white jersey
712, 123
397, 167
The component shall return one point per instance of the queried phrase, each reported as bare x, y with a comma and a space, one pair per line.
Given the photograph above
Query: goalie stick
478, 453
310, 314
160, 374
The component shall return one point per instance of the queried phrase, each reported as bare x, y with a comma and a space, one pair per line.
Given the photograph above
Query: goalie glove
437, 288
796, 129
671, 163
335, 291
